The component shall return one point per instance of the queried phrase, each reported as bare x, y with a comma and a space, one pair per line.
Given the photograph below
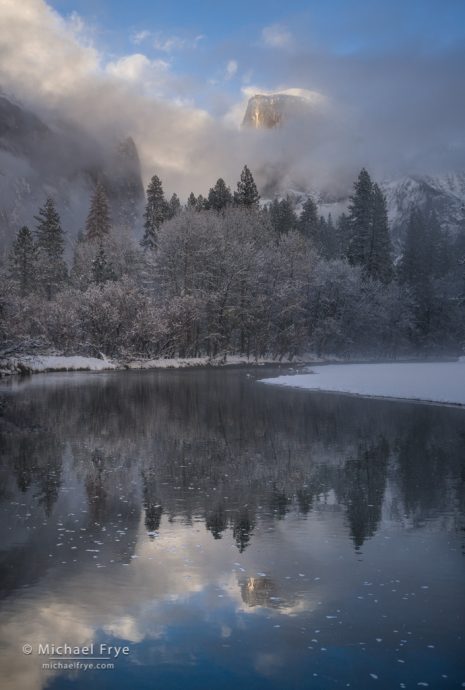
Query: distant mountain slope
444, 194
39, 159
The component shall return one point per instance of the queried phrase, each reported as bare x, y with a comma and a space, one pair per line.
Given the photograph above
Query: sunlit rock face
268, 111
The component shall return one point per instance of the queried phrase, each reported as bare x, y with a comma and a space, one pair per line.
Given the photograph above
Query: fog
395, 113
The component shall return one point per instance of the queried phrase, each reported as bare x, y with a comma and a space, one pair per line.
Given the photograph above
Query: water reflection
151, 506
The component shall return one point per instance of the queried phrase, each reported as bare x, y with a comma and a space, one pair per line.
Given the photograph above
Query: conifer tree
102, 269
328, 238
360, 219
342, 236
219, 196
23, 261
98, 223
308, 222
191, 200
52, 271
282, 215
174, 206
156, 212
379, 260
201, 204
247, 194
414, 266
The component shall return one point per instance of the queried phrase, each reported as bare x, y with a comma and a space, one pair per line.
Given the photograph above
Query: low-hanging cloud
395, 114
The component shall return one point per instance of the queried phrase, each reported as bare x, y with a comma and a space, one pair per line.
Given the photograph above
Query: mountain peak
266, 111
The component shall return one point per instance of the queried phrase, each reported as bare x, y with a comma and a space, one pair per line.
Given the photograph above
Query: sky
177, 77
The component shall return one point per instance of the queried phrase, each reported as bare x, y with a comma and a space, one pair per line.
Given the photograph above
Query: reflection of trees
216, 521
96, 486
153, 508
363, 484
218, 445
430, 467
242, 528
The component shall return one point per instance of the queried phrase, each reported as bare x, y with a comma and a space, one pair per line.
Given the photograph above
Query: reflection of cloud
134, 604
125, 628
266, 664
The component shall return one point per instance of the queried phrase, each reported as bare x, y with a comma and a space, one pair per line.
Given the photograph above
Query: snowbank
182, 363
441, 382
41, 363
32, 364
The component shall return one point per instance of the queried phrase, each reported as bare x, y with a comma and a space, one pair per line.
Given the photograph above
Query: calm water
231, 534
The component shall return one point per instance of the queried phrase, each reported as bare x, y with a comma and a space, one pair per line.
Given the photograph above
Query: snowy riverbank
439, 382
35, 364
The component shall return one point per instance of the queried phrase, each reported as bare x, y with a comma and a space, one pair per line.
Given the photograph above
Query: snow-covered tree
360, 219
52, 269
102, 269
23, 261
174, 206
156, 212
247, 194
379, 260
219, 196
98, 224
191, 200
282, 215
308, 223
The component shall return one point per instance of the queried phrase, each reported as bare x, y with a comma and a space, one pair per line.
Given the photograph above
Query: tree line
224, 274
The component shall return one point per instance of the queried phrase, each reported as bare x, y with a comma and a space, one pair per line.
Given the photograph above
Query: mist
397, 113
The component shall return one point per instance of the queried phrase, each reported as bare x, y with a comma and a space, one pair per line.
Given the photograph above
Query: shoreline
27, 365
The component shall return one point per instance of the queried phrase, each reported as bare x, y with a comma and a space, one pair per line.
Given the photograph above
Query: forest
226, 274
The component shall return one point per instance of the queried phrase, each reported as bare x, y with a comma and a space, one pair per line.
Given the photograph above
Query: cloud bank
395, 113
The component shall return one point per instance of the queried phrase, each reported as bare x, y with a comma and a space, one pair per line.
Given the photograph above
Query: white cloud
168, 44
277, 36
138, 68
231, 69
139, 37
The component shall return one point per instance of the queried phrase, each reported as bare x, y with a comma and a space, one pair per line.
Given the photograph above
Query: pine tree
191, 200
201, 204
328, 238
415, 271
156, 212
50, 246
219, 196
360, 219
415, 263
98, 223
174, 206
342, 233
308, 222
23, 261
247, 194
102, 269
282, 215
379, 260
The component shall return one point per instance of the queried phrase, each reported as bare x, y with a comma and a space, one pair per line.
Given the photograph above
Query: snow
440, 382
182, 363
33, 364
61, 363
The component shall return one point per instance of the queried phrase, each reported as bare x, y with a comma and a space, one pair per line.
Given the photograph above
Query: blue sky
220, 47
383, 79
